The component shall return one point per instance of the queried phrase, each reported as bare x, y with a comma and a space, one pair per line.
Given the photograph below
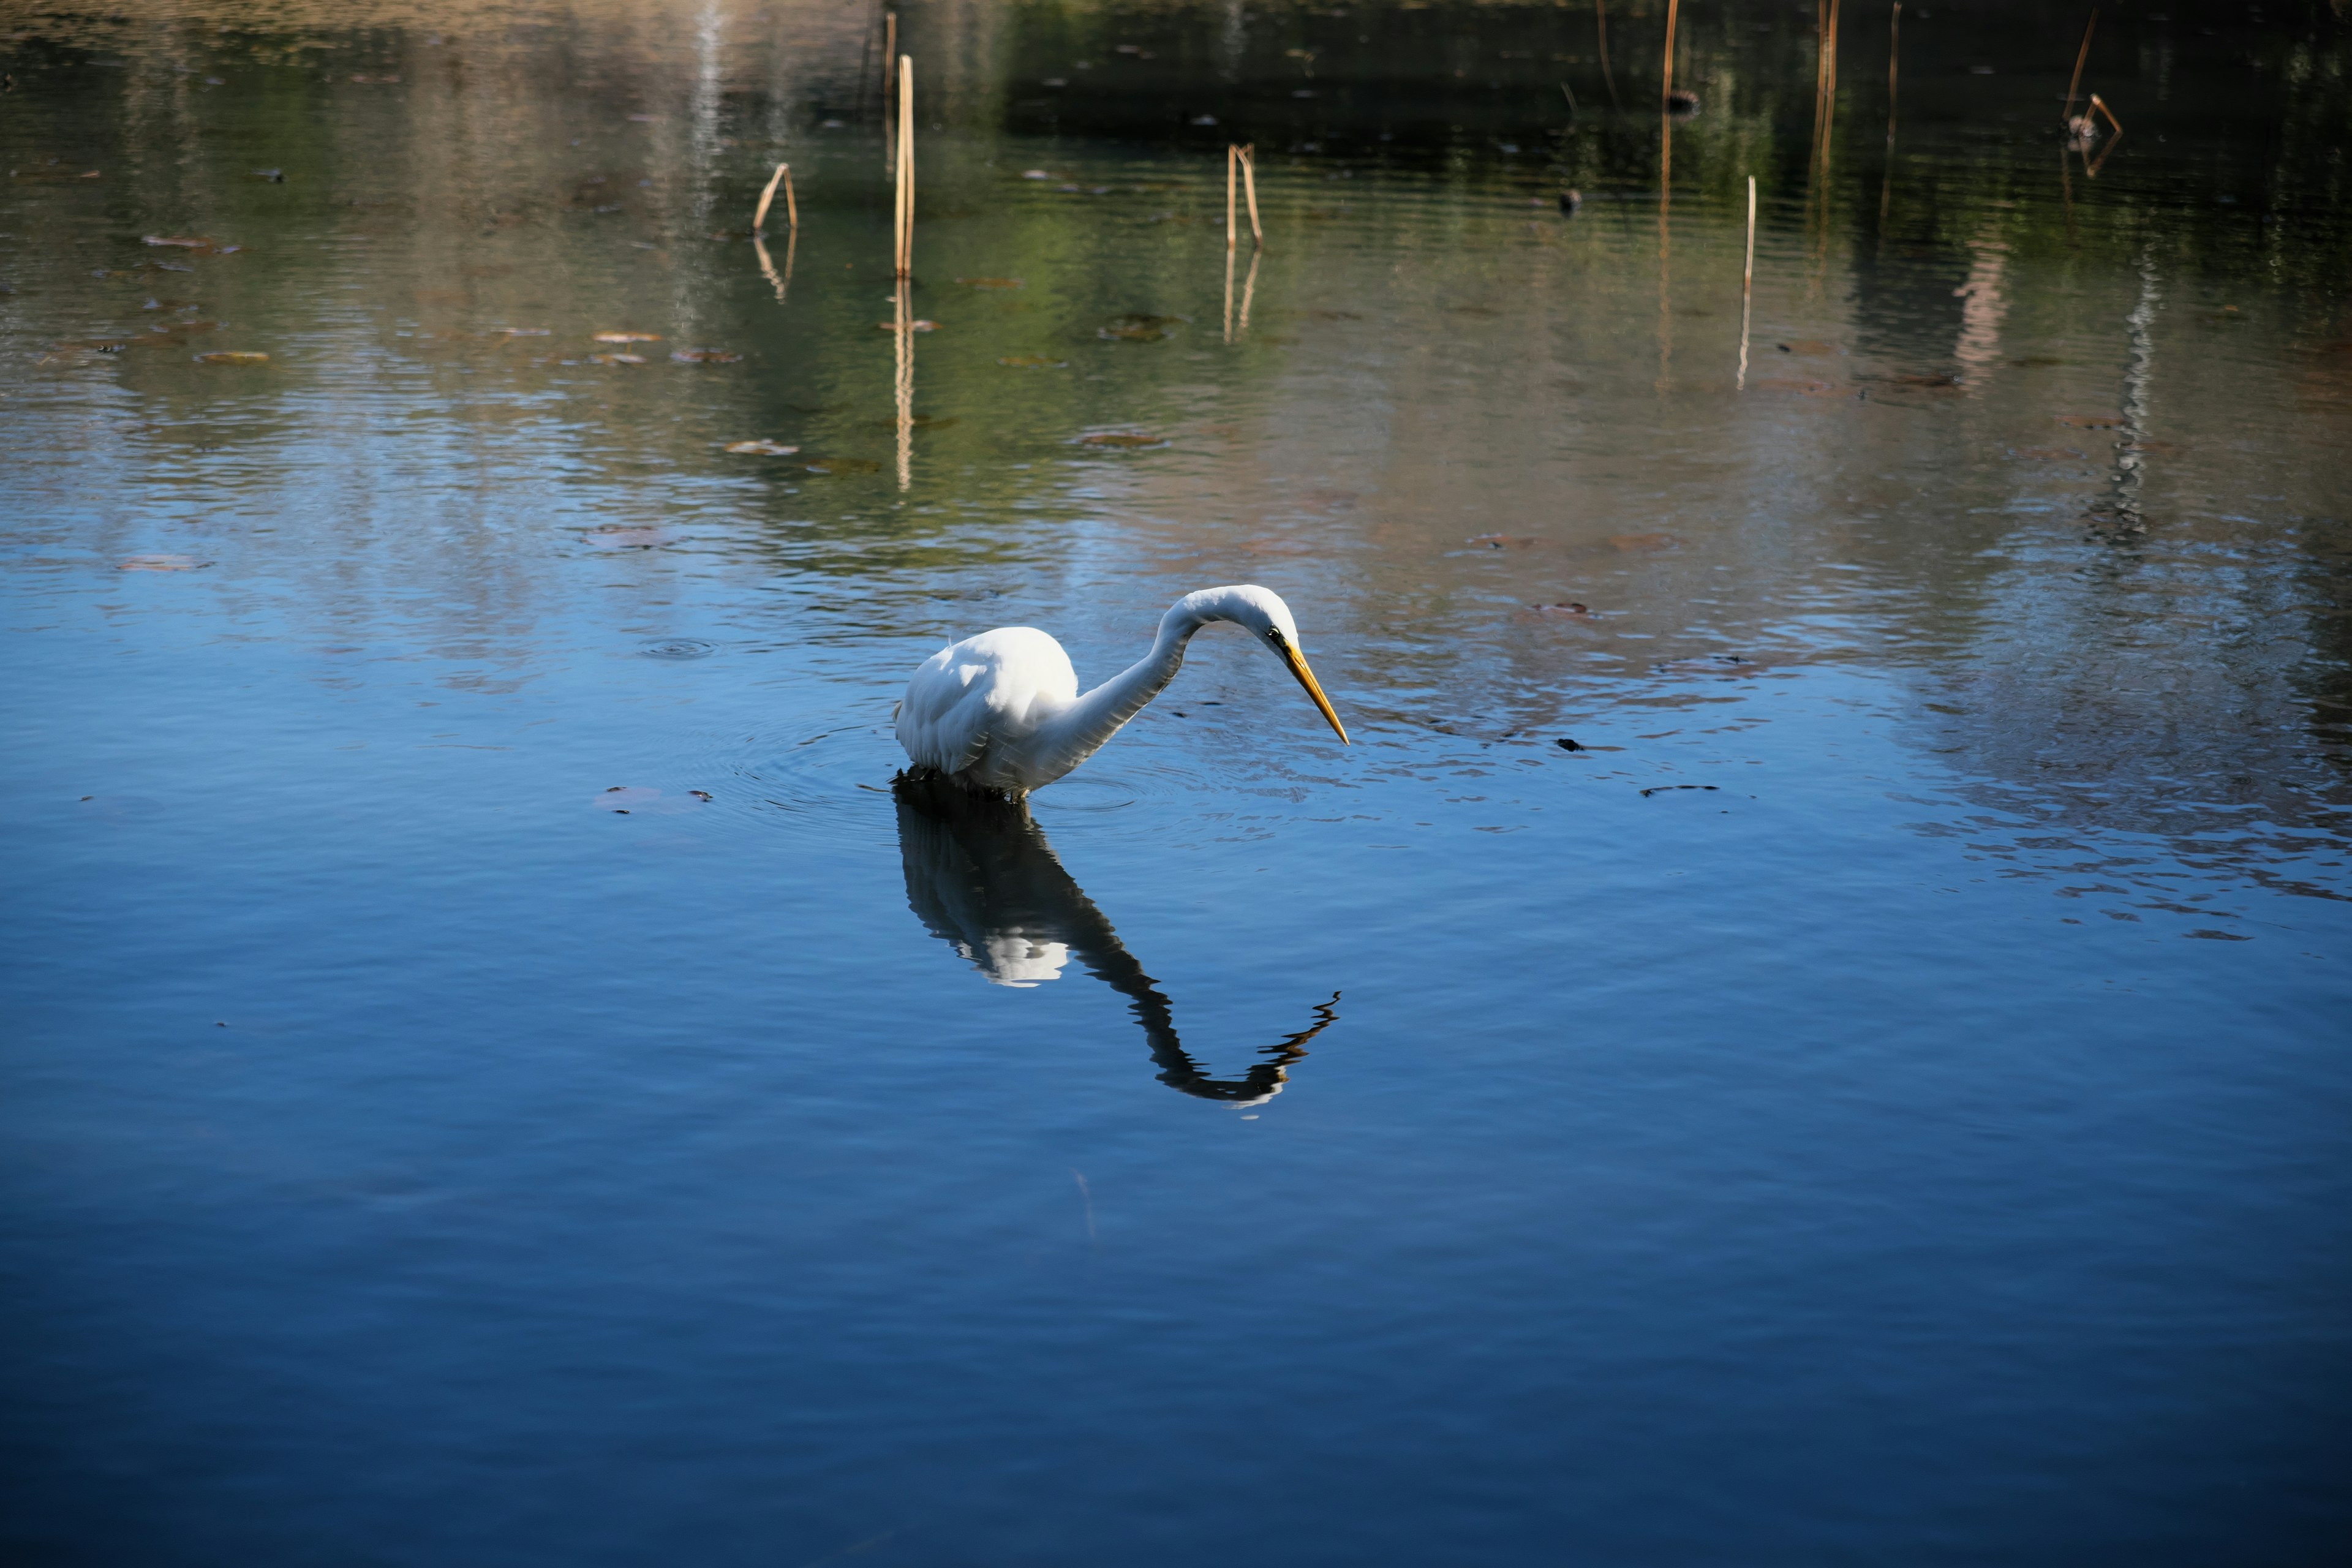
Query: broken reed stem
1747, 285
1229, 286
1572, 109
2101, 105
1747, 272
1666, 89
1893, 58
1600, 26
1249, 189
782, 177
1828, 78
1234, 179
2081, 55
906, 225
904, 386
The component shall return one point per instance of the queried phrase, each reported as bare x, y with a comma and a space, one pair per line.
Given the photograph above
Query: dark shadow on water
981, 876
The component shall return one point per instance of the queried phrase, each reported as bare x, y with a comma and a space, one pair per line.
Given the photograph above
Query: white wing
997, 687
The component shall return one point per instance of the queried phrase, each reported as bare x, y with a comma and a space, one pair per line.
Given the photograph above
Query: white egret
1001, 710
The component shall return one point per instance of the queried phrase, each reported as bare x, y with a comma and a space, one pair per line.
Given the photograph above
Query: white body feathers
1003, 711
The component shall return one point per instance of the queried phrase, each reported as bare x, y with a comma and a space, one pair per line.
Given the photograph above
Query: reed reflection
982, 877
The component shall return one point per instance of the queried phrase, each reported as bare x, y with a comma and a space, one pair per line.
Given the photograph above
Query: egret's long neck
1085, 724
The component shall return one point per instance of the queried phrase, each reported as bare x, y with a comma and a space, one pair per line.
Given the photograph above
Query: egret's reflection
982, 877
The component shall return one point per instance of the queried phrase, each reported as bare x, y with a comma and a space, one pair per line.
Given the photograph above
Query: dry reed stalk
1229, 292
906, 225
904, 386
1748, 271
2081, 55
1572, 110
1747, 285
760, 216
1249, 290
1894, 59
1666, 90
1600, 26
1233, 182
1829, 69
1249, 190
2101, 105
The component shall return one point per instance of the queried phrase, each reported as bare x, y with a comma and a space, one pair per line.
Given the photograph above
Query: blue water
1882, 1099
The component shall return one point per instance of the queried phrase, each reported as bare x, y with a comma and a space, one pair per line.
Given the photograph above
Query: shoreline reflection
982, 877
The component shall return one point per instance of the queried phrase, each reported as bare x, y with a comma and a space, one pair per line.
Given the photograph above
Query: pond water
494, 1074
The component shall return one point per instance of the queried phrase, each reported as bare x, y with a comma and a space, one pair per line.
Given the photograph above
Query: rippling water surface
1809, 1026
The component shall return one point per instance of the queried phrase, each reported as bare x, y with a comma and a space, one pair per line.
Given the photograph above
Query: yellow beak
1290, 656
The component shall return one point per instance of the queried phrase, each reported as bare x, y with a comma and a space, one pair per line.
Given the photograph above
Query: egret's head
1262, 614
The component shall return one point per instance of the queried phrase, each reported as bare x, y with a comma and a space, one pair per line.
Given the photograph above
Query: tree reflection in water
981, 876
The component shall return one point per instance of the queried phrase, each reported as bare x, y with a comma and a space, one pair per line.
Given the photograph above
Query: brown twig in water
1829, 85
1572, 110
2081, 55
760, 217
1894, 60
1747, 284
1233, 182
1666, 88
2101, 105
1229, 291
1249, 190
905, 214
1601, 25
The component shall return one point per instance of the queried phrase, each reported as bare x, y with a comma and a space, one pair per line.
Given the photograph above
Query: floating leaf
761, 448
233, 356
1122, 438
704, 356
162, 564
628, 337
992, 282
618, 359
1034, 362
